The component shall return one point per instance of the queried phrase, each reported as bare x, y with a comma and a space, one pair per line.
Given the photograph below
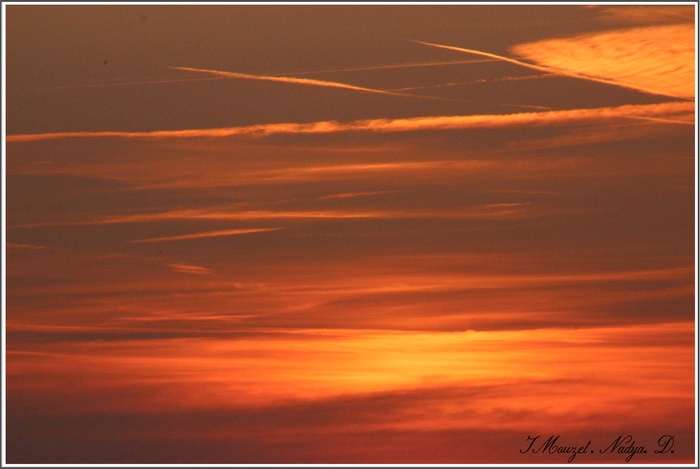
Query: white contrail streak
292, 80
395, 66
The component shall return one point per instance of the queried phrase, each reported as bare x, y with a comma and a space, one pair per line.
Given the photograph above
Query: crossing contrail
394, 66
333, 84
156, 81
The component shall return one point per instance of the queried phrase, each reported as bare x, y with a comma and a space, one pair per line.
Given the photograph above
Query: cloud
462, 379
190, 269
224, 214
646, 14
682, 112
380, 360
596, 134
478, 211
657, 59
593, 70
350, 195
24, 246
206, 234
343, 431
392, 293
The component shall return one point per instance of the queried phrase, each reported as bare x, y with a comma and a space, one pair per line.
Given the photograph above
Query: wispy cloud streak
223, 214
482, 211
349, 195
24, 246
671, 110
206, 234
190, 269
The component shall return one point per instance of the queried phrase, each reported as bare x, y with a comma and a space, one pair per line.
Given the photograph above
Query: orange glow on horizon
181, 374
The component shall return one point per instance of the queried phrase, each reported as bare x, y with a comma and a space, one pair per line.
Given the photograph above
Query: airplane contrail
546, 69
206, 234
155, 81
479, 82
293, 80
394, 66
333, 84
123, 83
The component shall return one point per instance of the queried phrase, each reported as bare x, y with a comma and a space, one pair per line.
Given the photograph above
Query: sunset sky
335, 234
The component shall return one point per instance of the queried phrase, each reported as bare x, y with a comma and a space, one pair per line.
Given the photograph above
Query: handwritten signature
620, 445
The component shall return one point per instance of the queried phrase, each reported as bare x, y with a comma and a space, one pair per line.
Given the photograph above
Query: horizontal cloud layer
673, 112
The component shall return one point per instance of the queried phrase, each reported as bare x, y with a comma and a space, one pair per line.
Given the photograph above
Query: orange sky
349, 234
